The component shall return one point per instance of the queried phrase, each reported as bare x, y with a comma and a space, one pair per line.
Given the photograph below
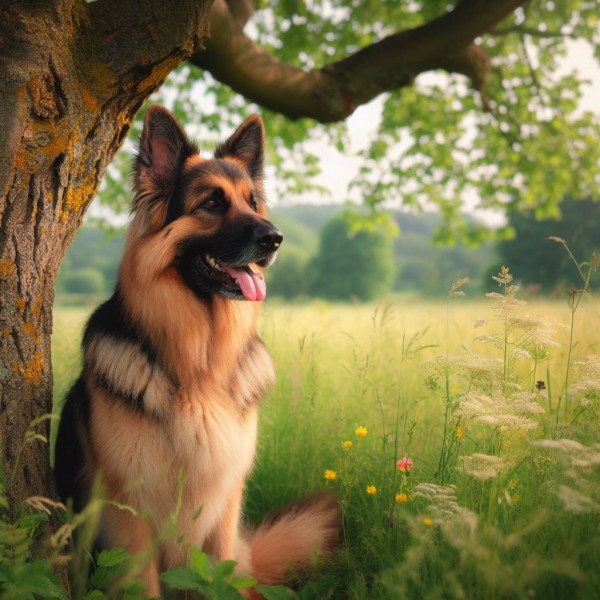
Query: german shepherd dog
174, 370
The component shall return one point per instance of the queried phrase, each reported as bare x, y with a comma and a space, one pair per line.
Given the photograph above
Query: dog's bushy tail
291, 539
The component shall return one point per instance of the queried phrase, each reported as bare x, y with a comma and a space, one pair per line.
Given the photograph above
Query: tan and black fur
174, 370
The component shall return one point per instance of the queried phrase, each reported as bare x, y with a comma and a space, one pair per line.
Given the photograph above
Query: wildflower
371, 490
427, 522
346, 444
401, 498
330, 475
361, 431
459, 433
540, 385
404, 465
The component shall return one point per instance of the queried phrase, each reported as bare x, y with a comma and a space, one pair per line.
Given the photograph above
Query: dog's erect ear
246, 145
162, 151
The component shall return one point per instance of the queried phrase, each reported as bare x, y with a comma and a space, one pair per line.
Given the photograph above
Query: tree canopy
477, 105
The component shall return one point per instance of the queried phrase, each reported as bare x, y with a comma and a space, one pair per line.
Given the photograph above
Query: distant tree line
542, 263
340, 254
329, 252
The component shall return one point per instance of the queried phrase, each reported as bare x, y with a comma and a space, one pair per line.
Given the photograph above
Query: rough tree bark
73, 75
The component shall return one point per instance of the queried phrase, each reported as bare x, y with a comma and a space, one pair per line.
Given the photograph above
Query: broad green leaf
180, 578
275, 592
224, 569
200, 563
112, 557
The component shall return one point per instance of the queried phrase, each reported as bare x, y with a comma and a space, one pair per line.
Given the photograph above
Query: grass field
501, 495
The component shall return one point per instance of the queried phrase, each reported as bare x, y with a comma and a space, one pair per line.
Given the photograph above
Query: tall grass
494, 401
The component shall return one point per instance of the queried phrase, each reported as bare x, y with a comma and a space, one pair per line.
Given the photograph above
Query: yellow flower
346, 444
459, 433
401, 498
427, 522
361, 431
330, 475
371, 490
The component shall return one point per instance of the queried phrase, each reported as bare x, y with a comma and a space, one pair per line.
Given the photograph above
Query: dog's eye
253, 203
216, 201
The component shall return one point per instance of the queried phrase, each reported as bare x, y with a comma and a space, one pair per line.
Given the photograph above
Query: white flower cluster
442, 502
579, 461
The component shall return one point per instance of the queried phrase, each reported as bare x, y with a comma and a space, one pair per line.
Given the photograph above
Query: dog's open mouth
245, 279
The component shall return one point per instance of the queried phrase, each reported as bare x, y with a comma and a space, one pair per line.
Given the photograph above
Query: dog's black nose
268, 237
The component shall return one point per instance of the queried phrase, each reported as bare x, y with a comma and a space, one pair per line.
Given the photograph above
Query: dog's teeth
211, 262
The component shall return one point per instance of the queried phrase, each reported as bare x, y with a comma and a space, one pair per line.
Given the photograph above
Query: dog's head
213, 209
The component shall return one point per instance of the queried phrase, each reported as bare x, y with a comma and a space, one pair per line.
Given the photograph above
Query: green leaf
275, 592
95, 595
321, 589
111, 558
135, 590
243, 582
34, 578
224, 591
200, 563
225, 569
104, 575
181, 578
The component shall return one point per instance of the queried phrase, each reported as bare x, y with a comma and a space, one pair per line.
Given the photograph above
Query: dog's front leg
225, 537
121, 529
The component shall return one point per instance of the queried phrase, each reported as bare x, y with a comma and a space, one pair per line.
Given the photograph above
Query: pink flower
404, 465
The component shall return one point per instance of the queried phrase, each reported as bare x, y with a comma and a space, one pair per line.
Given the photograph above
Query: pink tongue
252, 284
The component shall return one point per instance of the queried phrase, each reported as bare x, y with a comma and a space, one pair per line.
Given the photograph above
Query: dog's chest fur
149, 425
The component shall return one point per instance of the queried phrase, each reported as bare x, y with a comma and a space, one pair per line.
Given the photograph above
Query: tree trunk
73, 77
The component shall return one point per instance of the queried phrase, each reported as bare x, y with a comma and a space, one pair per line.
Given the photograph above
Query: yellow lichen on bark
7, 268
90, 102
159, 74
42, 142
32, 370
36, 308
29, 330
77, 198
21, 303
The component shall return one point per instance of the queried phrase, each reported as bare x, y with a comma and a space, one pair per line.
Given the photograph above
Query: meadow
461, 436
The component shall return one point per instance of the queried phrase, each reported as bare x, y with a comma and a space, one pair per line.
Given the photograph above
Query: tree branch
334, 91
